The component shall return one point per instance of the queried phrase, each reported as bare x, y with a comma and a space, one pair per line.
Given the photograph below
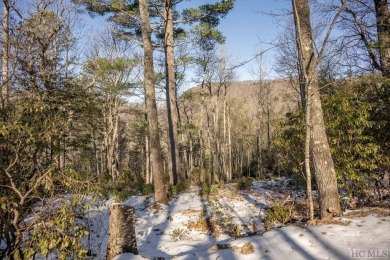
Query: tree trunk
174, 162
248, 162
322, 160
383, 28
268, 123
191, 157
259, 159
96, 156
319, 146
122, 237
230, 149
156, 161
307, 156
5, 54
201, 172
225, 171
241, 162
147, 161
215, 150
112, 138
209, 166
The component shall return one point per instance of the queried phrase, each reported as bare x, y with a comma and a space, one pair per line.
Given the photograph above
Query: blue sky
248, 28
245, 27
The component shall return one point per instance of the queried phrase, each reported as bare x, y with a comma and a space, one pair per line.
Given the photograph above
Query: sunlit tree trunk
151, 108
230, 163
209, 166
307, 155
201, 163
319, 147
174, 160
215, 142
190, 156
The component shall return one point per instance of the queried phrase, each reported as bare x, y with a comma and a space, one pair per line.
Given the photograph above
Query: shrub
357, 125
195, 176
58, 230
183, 186
351, 123
204, 189
214, 189
178, 234
277, 215
147, 189
207, 189
244, 183
289, 144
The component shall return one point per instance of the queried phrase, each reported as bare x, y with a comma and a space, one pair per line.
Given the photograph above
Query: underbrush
209, 189
245, 183
277, 215
182, 186
215, 220
58, 229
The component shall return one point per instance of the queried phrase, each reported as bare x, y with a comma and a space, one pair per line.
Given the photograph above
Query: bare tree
364, 43
263, 109
319, 147
287, 64
110, 70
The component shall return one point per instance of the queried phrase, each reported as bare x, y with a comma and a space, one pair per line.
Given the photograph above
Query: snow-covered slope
228, 225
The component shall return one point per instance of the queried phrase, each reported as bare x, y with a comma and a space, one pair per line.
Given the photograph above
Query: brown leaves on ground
327, 221
205, 225
384, 212
156, 208
246, 249
232, 230
192, 212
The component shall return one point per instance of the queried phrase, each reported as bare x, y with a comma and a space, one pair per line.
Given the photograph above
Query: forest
151, 109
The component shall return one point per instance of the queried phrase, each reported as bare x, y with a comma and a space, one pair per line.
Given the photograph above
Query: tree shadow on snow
269, 249
153, 245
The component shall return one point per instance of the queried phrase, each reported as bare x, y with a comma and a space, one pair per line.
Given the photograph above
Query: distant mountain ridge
279, 95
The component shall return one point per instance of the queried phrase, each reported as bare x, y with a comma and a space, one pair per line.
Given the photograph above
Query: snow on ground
316, 242
220, 226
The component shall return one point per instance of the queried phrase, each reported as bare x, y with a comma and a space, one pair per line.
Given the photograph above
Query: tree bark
5, 54
383, 28
174, 162
147, 161
112, 136
156, 161
319, 146
122, 237
215, 150
230, 149
307, 155
190, 157
201, 163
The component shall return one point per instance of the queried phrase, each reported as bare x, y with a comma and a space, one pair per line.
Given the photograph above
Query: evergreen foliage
356, 119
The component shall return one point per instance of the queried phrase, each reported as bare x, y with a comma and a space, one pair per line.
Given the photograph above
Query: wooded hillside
68, 128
